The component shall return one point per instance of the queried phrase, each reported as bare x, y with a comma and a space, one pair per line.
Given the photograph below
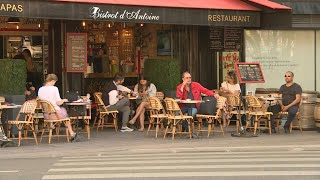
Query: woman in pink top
50, 93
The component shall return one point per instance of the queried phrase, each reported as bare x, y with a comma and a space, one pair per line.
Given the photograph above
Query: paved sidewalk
109, 141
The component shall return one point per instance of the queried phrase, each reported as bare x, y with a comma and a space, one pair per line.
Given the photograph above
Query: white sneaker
126, 129
4, 139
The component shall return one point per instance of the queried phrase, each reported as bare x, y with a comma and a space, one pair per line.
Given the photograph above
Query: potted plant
12, 83
164, 73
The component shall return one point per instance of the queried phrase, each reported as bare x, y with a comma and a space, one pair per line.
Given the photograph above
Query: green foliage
13, 76
163, 72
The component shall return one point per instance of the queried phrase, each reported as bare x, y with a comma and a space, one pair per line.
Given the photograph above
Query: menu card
76, 52
249, 72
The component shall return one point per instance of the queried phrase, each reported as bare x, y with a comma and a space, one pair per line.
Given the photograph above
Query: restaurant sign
97, 13
137, 14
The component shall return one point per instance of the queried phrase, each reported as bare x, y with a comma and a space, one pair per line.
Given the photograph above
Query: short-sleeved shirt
232, 87
51, 94
151, 91
289, 93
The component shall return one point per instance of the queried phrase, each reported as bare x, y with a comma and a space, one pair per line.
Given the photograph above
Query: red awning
197, 4
270, 4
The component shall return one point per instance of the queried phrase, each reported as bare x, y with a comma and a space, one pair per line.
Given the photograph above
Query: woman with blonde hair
50, 93
231, 86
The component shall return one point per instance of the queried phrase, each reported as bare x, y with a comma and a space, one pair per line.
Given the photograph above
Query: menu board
249, 72
216, 38
227, 39
76, 52
232, 38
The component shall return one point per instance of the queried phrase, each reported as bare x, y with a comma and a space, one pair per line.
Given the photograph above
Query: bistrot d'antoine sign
97, 13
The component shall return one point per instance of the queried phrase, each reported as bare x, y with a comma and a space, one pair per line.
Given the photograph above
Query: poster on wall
164, 43
279, 51
229, 59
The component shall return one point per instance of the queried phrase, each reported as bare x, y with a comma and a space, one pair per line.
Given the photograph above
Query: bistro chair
284, 114
233, 109
47, 108
175, 118
103, 115
157, 114
38, 116
96, 118
259, 113
27, 113
211, 119
2, 99
160, 95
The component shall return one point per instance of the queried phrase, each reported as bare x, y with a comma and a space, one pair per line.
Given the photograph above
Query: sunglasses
286, 76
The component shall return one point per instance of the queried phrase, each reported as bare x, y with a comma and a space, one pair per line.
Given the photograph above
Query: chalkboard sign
216, 38
232, 38
76, 52
249, 72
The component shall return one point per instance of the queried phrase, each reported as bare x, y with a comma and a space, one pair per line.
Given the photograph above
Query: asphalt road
253, 165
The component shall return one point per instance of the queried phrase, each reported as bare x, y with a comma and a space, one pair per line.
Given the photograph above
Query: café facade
85, 42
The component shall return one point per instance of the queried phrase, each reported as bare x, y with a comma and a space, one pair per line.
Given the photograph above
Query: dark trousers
292, 111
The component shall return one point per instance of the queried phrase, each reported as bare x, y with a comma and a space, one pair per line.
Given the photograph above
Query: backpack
209, 106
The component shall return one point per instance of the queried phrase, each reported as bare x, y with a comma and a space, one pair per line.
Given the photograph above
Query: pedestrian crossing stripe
182, 160
220, 166
183, 174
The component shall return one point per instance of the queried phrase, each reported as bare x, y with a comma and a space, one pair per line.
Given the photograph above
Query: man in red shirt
191, 90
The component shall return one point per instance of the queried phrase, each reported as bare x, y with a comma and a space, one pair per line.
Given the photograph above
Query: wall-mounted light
39, 25
17, 27
83, 23
109, 25
13, 20
141, 24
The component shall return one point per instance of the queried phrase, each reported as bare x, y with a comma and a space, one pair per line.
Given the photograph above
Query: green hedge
13, 76
163, 72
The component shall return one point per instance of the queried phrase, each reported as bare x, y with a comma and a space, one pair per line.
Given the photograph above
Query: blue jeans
191, 112
292, 111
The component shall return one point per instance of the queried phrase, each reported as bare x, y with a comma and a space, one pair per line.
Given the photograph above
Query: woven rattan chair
96, 118
175, 118
26, 112
259, 113
157, 114
47, 108
104, 113
211, 119
233, 110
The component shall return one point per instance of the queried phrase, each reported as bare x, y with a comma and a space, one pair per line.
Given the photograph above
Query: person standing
115, 101
290, 95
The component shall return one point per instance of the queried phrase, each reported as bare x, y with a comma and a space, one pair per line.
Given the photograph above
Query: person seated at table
189, 89
30, 92
143, 89
50, 93
290, 95
231, 86
115, 101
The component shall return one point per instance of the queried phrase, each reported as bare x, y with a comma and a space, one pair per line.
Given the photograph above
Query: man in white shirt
115, 101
